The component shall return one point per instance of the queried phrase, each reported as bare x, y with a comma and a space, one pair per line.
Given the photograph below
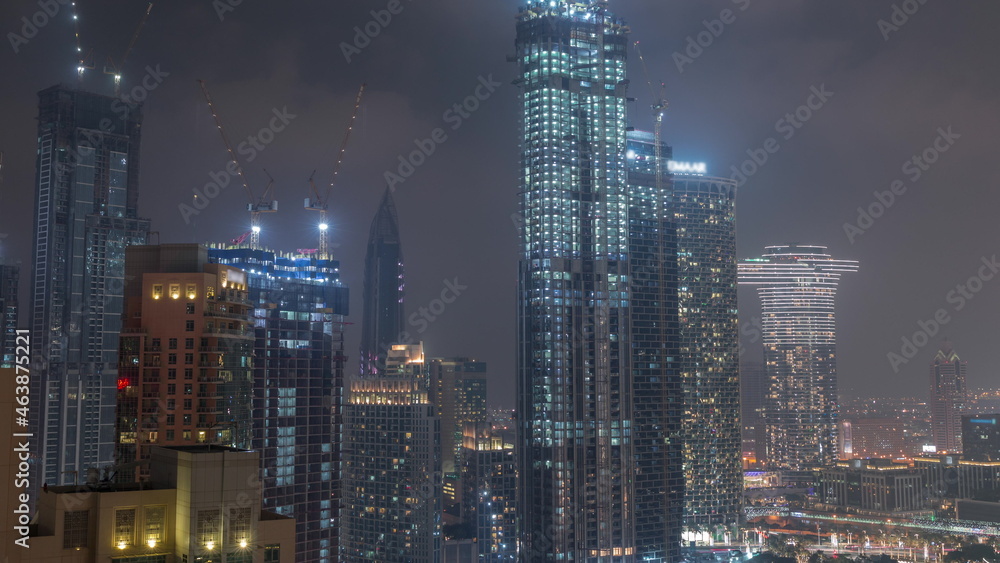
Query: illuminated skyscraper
797, 285
87, 176
392, 465
599, 400
382, 320
948, 399
299, 308
702, 210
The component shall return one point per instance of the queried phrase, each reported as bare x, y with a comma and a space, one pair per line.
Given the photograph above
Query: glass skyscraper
599, 400
299, 309
382, 320
797, 286
87, 175
703, 214
10, 275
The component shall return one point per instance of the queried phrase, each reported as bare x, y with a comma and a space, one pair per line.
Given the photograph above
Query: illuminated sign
983, 421
690, 168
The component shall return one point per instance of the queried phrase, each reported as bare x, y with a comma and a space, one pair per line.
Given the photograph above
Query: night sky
893, 87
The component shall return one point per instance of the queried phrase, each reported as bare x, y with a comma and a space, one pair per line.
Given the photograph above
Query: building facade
392, 465
186, 357
202, 503
875, 485
981, 437
383, 314
704, 214
490, 482
949, 396
797, 286
299, 305
458, 390
657, 383
10, 276
87, 175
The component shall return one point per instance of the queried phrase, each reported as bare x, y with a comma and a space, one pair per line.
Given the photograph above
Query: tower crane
85, 61
659, 107
256, 206
115, 70
320, 201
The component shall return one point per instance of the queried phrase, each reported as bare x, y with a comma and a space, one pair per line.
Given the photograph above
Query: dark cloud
890, 99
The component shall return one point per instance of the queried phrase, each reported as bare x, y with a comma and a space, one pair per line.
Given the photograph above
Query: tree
972, 552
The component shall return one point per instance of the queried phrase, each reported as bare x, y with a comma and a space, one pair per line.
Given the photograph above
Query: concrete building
874, 485
86, 214
201, 503
875, 438
186, 354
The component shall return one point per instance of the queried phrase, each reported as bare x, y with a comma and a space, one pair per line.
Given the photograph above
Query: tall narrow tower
87, 175
382, 321
797, 285
593, 454
948, 398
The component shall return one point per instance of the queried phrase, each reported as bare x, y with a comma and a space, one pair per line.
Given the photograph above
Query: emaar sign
690, 168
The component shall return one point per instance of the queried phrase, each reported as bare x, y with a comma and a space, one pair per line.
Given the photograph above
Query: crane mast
320, 202
265, 204
659, 107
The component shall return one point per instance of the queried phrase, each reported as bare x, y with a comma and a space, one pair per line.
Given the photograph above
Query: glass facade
87, 172
599, 402
299, 309
458, 390
382, 320
948, 399
704, 217
797, 286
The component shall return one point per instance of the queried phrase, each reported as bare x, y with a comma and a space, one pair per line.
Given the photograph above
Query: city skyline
775, 204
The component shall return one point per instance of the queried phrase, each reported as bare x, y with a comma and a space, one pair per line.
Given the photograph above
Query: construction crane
115, 70
320, 202
85, 62
256, 206
659, 107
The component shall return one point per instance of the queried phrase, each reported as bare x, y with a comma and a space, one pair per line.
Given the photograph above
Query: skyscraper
87, 174
596, 448
392, 464
703, 210
657, 394
948, 398
382, 320
186, 354
10, 275
981, 437
797, 286
490, 482
299, 307
458, 390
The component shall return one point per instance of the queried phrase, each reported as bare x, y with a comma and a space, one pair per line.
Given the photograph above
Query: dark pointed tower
383, 288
